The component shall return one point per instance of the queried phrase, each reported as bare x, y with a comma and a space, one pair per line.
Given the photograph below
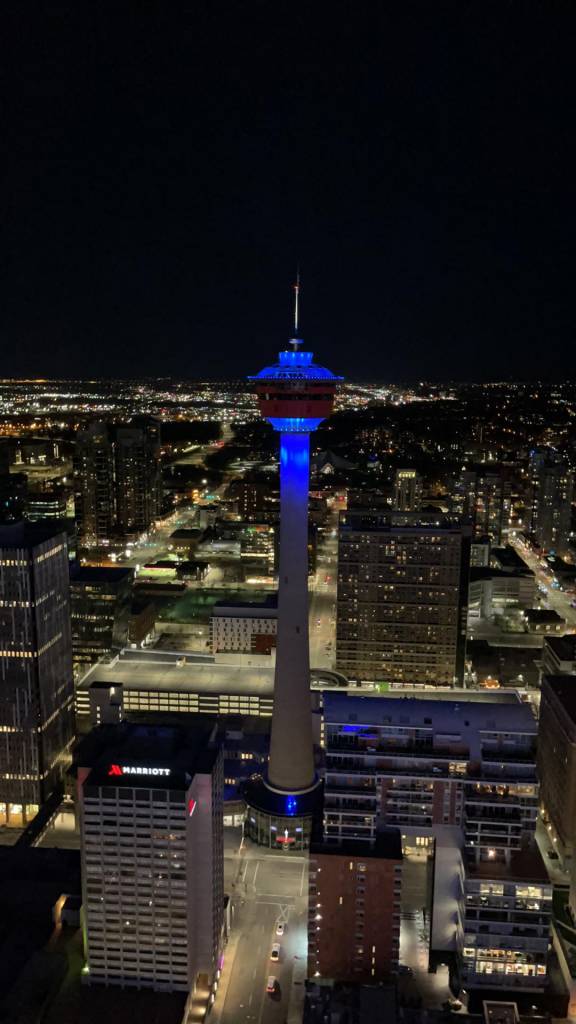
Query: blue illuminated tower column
291, 765
295, 395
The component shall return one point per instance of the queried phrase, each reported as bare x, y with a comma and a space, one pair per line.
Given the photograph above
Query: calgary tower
294, 396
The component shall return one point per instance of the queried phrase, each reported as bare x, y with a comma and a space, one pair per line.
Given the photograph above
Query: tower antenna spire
296, 341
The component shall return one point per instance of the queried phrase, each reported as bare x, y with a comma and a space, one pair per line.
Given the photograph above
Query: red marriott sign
123, 769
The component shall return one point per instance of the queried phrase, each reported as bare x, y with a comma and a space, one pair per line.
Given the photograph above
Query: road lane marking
302, 881
255, 873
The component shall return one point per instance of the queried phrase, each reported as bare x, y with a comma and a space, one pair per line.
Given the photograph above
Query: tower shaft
291, 766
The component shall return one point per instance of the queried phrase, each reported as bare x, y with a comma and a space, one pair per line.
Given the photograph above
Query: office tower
354, 908
550, 501
46, 505
402, 597
458, 778
13, 496
152, 854
484, 496
138, 476
100, 605
94, 486
407, 490
294, 396
36, 685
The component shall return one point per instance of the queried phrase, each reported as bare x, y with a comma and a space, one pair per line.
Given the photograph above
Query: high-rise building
138, 476
550, 501
94, 486
118, 483
402, 597
458, 778
407, 490
100, 604
152, 854
557, 761
295, 395
484, 496
36, 682
419, 763
354, 908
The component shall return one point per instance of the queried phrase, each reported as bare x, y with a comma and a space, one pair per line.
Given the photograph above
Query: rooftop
525, 865
485, 711
537, 615
508, 558
367, 521
269, 603
485, 573
500, 1013
564, 647
387, 846
173, 674
170, 755
28, 535
98, 574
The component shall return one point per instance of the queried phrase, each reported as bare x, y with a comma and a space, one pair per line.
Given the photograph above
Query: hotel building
150, 800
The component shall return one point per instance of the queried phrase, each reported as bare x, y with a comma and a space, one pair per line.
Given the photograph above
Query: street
555, 599
267, 888
323, 597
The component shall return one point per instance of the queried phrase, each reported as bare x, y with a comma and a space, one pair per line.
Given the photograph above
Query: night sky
167, 165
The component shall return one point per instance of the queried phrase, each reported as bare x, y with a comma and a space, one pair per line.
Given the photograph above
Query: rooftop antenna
295, 341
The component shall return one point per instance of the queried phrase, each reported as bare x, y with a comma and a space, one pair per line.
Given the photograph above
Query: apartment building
421, 763
354, 908
244, 627
407, 490
402, 598
150, 800
484, 495
458, 778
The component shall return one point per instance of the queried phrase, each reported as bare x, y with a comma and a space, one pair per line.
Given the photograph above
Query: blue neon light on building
295, 366
291, 805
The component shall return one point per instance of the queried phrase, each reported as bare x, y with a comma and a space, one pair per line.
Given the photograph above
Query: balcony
426, 750
508, 756
369, 792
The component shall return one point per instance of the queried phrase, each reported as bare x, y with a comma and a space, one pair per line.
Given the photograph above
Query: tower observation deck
294, 395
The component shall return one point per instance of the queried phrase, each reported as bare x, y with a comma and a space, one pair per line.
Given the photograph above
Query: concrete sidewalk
227, 967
